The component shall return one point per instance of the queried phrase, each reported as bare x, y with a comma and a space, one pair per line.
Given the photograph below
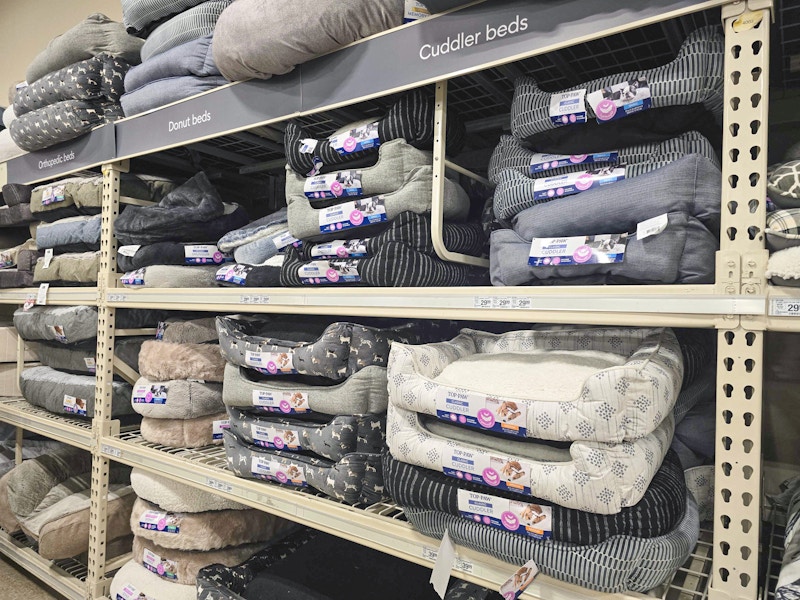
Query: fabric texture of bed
169, 276
265, 228
65, 393
695, 75
173, 496
73, 234
176, 399
783, 229
80, 357
190, 24
787, 499
783, 267
69, 324
160, 360
131, 258
138, 16
70, 268
13, 216
133, 579
191, 331
783, 184
166, 91
184, 433
193, 59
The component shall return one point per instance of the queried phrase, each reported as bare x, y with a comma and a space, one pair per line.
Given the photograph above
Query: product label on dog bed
334, 185
545, 162
205, 254
134, 277
166, 522
580, 250
90, 363
358, 213
276, 437
217, 427
75, 406
286, 239
234, 274
162, 567
357, 139
129, 592
356, 248
271, 363
53, 194
533, 520
549, 188
321, 272
129, 251
415, 11
290, 474
482, 412
7, 260
620, 100
150, 394
285, 402
59, 334
568, 107
496, 471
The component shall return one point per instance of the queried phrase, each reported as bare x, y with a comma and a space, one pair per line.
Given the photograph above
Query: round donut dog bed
174, 496
161, 361
133, 579
184, 433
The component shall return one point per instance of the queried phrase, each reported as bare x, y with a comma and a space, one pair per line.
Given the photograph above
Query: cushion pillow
783, 184
160, 360
184, 433
190, 59
174, 496
134, 581
783, 229
195, 22
176, 399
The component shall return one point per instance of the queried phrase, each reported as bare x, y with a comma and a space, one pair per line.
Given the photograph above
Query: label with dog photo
333, 185
90, 363
568, 108
234, 273
134, 277
59, 334
53, 194
150, 394
497, 471
74, 406
7, 260
205, 254
545, 162
270, 363
284, 402
217, 427
348, 215
272, 470
529, 519
356, 248
129, 592
321, 272
620, 100
557, 186
276, 437
357, 139
166, 522
579, 250
168, 569
482, 412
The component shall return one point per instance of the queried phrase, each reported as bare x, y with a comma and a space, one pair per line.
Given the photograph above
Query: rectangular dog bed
79, 268
176, 399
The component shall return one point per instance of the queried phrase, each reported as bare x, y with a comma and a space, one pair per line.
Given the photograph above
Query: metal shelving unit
65, 296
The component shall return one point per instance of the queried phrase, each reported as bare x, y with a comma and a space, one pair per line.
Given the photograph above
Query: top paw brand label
273, 470
333, 185
286, 402
357, 139
358, 213
53, 194
150, 394
580, 250
482, 412
271, 363
557, 186
545, 162
166, 522
492, 470
204, 254
526, 518
568, 108
620, 100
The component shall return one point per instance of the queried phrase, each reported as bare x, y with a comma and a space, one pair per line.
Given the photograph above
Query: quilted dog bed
73, 234
783, 184
72, 268
410, 118
311, 347
174, 496
161, 360
184, 433
357, 478
166, 91
69, 324
134, 581
695, 75
71, 394
190, 24
618, 564
783, 229
330, 437
192, 59
364, 392
133, 258
204, 531
193, 211
176, 399
599, 385
783, 267
657, 513
598, 477
13, 216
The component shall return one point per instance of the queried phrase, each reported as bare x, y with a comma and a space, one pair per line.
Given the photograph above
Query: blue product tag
357, 139
557, 186
333, 185
349, 215
568, 108
482, 412
525, 518
579, 250
545, 162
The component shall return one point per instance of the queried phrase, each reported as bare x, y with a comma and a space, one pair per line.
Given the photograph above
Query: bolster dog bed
783, 229
133, 581
600, 385
195, 22
174, 496
20, 263
266, 275
78, 268
783, 184
73, 234
363, 392
695, 75
16, 193
329, 437
184, 433
132, 258
618, 564
193, 211
596, 477
176, 399
14, 216
783, 267
357, 478
258, 241
69, 324
166, 91
169, 276
204, 531
160, 360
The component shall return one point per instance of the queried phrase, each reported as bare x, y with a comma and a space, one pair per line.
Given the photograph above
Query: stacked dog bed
783, 231
787, 501
15, 212
575, 462
18, 252
179, 529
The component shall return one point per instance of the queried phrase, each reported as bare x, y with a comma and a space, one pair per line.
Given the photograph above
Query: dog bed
184, 433
308, 222
257, 242
695, 75
140, 15
596, 477
8, 148
195, 22
95, 35
174, 496
266, 275
783, 267
166, 91
261, 38
16, 193
14, 216
160, 361
204, 531
70, 394
22, 256
783, 184
192, 59
701, 391
73, 268
192, 331
73, 234
132, 258
176, 399
357, 478
69, 324
80, 358
133, 581
330, 437
694, 436
193, 211
363, 392
599, 385
168, 276
312, 347
787, 500
410, 118
620, 563
783, 229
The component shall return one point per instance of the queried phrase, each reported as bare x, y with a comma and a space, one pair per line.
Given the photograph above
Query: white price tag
784, 307
501, 302
219, 485
250, 299
41, 296
115, 452
522, 302
483, 302
48, 258
652, 226
116, 297
445, 557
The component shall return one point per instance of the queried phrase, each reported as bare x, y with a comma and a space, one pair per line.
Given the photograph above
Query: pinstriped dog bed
593, 476
357, 478
176, 399
618, 564
657, 513
332, 438
192, 23
137, 15
363, 392
695, 75
599, 385
184, 433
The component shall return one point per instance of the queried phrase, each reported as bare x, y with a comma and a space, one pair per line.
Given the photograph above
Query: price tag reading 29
784, 307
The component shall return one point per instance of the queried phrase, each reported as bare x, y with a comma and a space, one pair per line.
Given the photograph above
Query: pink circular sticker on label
453, 417
278, 443
272, 367
356, 217
485, 418
337, 189
491, 477
477, 518
578, 158
218, 257
509, 521
560, 192
459, 474
162, 524
148, 397
584, 182
573, 119
285, 406
281, 477
341, 252
462, 419
349, 144
332, 275
606, 110
512, 595
487, 520
582, 254
160, 569
565, 119
556, 260
468, 477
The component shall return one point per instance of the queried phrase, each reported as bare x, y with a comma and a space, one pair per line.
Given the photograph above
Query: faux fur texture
182, 433
174, 496
8, 521
161, 361
210, 530
133, 579
185, 399
195, 331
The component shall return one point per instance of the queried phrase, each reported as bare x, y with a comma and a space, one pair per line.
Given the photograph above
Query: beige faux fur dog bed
162, 361
175, 496
194, 331
183, 433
